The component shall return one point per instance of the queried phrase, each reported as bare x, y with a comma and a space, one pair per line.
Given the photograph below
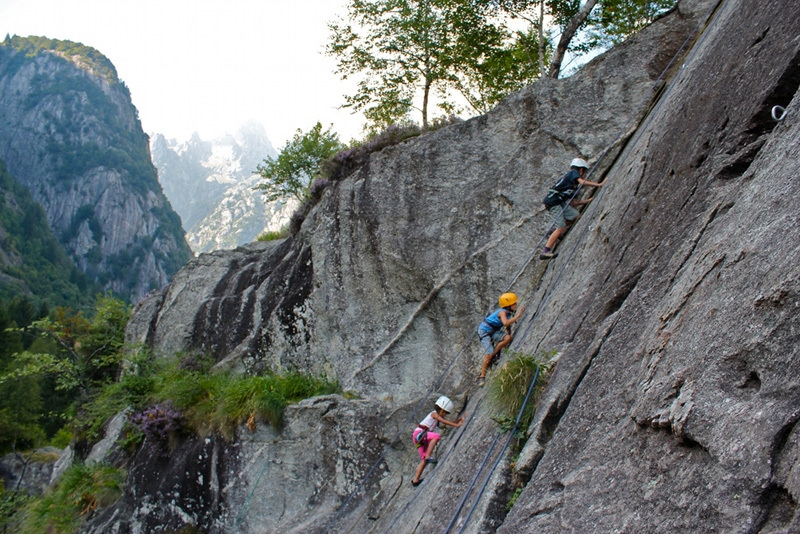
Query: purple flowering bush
159, 424
347, 161
316, 189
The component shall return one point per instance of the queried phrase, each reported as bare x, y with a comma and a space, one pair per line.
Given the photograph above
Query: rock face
70, 134
29, 473
210, 185
227, 487
673, 303
675, 404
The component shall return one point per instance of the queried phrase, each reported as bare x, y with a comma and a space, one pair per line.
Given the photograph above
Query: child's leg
486, 361
431, 444
418, 472
501, 345
551, 241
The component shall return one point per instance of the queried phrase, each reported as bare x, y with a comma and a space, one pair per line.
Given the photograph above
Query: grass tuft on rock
509, 385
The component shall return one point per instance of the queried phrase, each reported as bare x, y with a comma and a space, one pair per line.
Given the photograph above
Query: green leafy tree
584, 25
76, 352
410, 51
486, 80
299, 162
19, 421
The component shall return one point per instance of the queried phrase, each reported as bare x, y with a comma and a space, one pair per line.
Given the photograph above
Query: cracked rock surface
673, 307
674, 405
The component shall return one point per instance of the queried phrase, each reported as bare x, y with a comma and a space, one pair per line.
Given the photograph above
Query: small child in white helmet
426, 439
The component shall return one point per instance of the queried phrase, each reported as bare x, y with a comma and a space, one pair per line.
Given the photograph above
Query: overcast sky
207, 65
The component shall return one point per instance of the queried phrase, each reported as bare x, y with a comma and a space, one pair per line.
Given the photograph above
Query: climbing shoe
480, 381
431, 460
415, 484
548, 255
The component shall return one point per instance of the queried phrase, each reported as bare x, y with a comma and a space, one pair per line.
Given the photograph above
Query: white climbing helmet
578, 162
445, 404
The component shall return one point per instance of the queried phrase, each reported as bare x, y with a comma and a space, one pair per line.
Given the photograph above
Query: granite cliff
672, 308
70, 134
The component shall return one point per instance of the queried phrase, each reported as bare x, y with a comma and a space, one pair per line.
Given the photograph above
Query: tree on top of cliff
598, 23
410, 50
300, 160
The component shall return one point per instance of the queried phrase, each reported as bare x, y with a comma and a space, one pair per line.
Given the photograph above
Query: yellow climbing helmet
507, 299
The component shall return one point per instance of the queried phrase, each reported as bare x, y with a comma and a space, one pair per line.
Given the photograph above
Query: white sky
206, 65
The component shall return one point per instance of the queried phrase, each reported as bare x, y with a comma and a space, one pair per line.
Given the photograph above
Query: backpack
554, 198
561, 192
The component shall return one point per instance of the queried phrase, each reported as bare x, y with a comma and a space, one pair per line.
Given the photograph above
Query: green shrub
275, 235
196, 398
11, 503
509, 385
80, 491
512, 500
220, 402
61, 439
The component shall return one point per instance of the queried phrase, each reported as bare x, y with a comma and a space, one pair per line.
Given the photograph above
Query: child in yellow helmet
495, 330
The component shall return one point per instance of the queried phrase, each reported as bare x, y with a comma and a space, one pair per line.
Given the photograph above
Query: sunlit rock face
672, 305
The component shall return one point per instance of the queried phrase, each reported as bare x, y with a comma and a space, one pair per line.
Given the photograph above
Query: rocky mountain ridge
70, 134
210, 185
672, 308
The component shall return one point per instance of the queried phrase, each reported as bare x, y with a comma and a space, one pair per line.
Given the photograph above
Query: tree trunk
541, 38
425, 94
567, 35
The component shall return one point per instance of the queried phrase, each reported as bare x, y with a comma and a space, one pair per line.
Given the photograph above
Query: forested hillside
70, 134
33, 263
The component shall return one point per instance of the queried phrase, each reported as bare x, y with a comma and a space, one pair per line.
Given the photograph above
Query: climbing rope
241, 513
705, 20
497, 462
546, 296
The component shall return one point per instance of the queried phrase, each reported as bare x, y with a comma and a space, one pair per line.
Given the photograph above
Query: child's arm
457, 423
508, 321
587, 182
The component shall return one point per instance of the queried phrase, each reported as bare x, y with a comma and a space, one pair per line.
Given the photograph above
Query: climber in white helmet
561, 204
426, 439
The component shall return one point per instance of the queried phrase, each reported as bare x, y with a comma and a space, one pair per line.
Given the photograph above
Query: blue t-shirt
493, 323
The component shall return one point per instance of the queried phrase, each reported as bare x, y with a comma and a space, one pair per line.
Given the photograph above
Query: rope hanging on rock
439, 286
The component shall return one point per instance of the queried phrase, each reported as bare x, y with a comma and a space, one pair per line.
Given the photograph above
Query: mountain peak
82, 56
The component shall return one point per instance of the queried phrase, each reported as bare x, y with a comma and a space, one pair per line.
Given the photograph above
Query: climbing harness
778, 113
